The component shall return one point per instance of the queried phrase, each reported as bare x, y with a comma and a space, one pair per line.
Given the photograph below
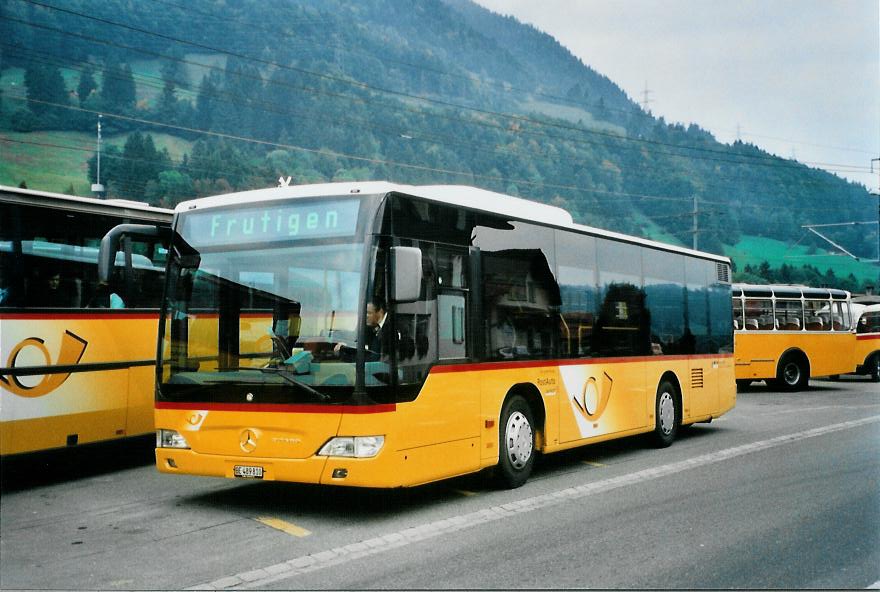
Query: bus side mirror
110, 244
407, 273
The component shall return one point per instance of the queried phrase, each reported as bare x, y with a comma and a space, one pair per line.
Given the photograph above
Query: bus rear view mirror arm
111, 240
407, 273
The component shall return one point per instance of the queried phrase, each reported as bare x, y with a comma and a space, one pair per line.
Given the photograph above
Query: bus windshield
264, 319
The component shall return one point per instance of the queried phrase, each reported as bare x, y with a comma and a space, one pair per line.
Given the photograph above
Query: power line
358, 123
331, 153
518, 118
597, 192
542, 184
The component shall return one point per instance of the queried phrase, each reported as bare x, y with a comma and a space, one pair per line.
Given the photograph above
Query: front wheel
516, 443
874, 367
667, 415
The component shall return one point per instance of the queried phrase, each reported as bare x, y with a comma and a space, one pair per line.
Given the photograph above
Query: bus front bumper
352, 472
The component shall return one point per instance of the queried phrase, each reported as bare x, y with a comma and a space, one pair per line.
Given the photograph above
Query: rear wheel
792, 374
874, 367
516, 443
667, 415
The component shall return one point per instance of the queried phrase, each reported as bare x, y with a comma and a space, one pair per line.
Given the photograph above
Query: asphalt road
783, 492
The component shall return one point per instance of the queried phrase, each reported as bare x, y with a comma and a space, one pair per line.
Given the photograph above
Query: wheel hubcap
791, 373
666, 413
518, 438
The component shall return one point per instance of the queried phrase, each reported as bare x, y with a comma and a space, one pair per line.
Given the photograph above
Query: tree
118, 93
206, 101
170, 188
127, 173
86, 86
167, 110
45, 90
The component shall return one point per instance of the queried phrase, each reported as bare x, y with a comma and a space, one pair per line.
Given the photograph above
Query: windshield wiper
286, 376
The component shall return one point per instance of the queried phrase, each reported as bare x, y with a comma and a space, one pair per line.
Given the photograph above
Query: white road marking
261, 577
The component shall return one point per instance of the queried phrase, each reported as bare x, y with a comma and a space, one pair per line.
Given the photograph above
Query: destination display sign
271, 223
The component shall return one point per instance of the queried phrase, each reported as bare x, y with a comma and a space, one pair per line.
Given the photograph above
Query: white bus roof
457, 195
119, 207
787, 291
860, 309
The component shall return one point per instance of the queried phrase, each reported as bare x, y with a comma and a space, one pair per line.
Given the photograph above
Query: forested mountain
427, 91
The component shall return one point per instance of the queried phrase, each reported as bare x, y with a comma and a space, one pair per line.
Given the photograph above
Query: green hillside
753, 250
209, 96
55, 161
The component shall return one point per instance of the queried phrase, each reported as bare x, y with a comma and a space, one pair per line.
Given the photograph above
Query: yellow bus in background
787, 334
867, 346
411, 334
77, 357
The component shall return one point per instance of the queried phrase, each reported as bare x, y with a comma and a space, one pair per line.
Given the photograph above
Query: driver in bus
377, 335
376, 332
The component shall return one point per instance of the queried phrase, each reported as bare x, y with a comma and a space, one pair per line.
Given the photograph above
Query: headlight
170, 439
353, 446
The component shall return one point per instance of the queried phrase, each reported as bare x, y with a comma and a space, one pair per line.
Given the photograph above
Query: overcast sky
797, 77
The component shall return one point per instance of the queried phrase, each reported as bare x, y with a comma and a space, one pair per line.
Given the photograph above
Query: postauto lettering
267, 224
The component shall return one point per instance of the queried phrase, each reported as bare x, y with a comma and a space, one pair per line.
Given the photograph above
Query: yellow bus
867, 347
75, 367
786, 334
384, 335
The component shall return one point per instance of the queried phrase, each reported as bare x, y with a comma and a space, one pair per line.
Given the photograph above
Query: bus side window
817, 316
666, 298
521, 304
452, 303
520, 297
416, 328
870, 323
759, 314
841, 317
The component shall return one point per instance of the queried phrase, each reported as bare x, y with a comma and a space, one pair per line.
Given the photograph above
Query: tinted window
665, 298
697, 332
49, 259
869, 323
623, 326
430, 221
521, 298
720, 317
576, 257
415, 324
452, 301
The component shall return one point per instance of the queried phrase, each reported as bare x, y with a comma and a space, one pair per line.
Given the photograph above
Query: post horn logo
248, 440
594, 398
72, 349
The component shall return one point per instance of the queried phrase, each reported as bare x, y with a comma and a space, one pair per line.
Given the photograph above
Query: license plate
247, 472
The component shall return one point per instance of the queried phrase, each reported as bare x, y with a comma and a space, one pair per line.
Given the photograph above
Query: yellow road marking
283, 526
593, 463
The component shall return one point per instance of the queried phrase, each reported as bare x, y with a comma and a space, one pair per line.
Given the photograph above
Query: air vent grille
723, 272
696, 378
